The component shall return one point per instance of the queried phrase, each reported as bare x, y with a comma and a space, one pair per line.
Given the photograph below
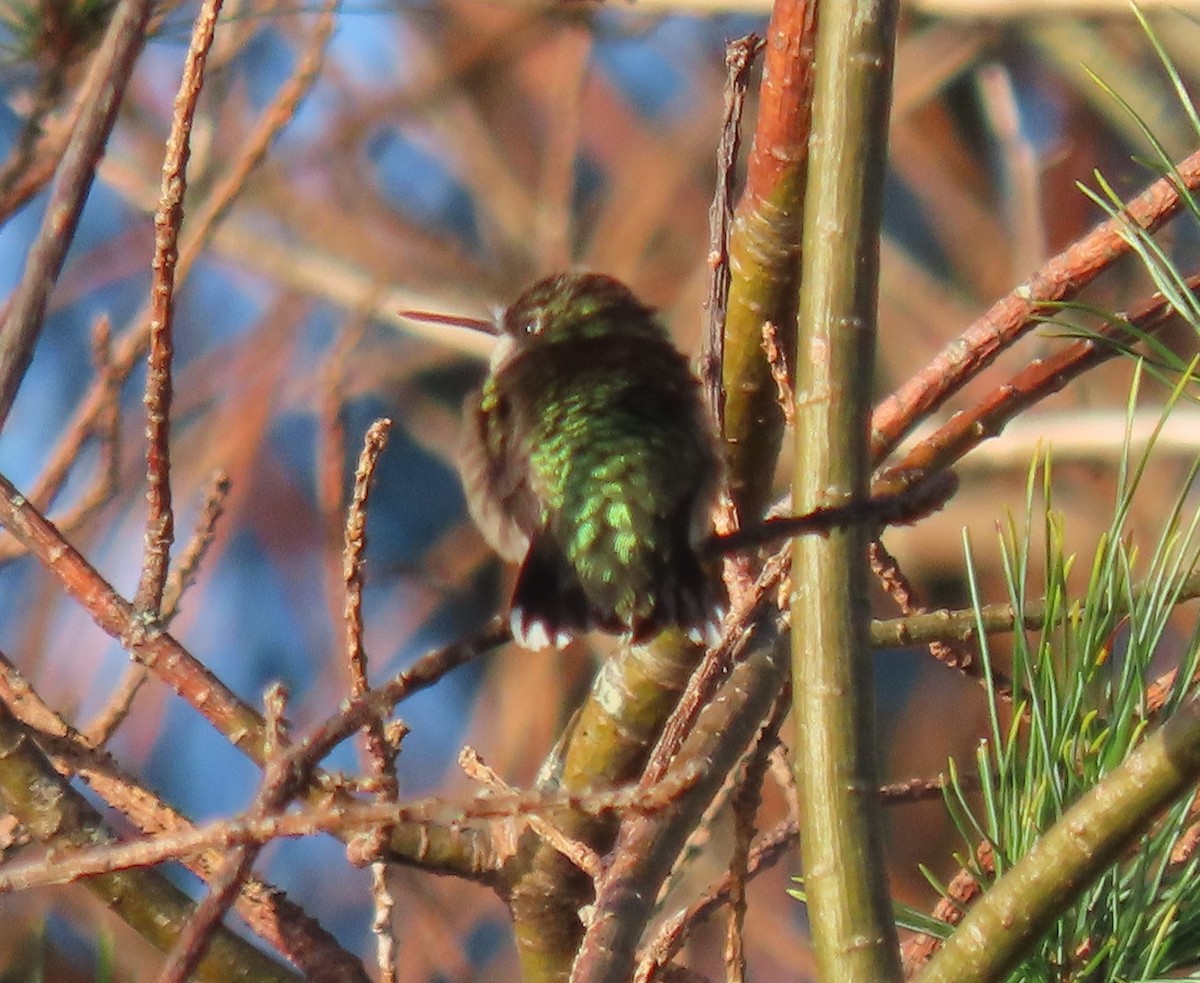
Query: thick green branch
764, 253
607, 745
849, 909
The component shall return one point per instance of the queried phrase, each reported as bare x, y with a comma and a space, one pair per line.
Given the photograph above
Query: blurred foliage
57, 31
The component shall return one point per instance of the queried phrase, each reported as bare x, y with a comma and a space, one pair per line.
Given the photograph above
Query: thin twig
1009, 318
1039, 379
353, 555
226, 884
574, 849
739, 56
117, 708
205, 533
952, 653
168, 218
254, 829
674, 931
891, 508
746, 802
966, 623
964, 887
193, 941
923, 789
380, 750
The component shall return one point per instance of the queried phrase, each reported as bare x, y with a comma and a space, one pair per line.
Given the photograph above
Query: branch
1009, 318
647, 847
1089, 837
764, 254
854, 935
54, 813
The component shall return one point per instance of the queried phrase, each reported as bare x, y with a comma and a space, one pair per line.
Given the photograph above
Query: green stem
854, 936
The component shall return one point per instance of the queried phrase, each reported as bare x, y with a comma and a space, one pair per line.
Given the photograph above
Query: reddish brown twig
168, 218
381, 747
923, 789
949, 652
1009, 318
160, 522
1041, 378
114, 712
960, 892
571, 847
188, 566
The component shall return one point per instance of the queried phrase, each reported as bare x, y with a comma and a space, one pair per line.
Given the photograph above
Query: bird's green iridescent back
619, 459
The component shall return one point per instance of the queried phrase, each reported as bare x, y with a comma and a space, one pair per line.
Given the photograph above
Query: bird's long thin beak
453, 320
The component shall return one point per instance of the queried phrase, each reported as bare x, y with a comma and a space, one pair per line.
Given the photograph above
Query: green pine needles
1103, 669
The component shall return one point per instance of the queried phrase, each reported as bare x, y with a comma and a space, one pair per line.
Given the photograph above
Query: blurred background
449, 154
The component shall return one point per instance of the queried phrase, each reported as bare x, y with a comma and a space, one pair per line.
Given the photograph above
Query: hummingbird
589, 457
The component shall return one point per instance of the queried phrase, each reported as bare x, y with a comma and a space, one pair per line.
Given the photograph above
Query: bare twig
746, 802
168, 218
953, 653
1041, 378
380, 750
256, 830
739, 55
114, 712
923, 789
893, 508
674, 931
1009, 318
203, 536
963, 888
117, 708
574, 849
